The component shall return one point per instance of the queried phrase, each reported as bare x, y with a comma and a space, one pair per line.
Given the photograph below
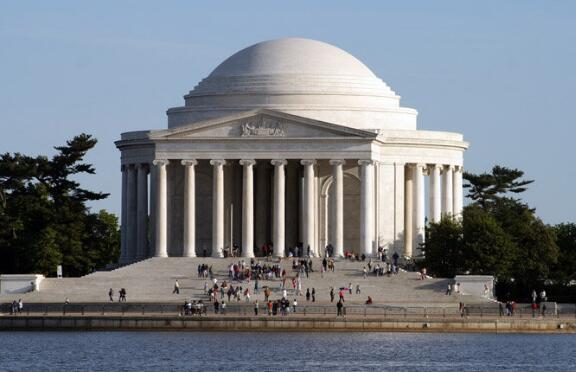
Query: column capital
123, 167
307, 161
337, 162
421, 166
189, 162
160, 162
278, 162
458, 168
143, 166
217, 162
436, 166
366, 162
246, 162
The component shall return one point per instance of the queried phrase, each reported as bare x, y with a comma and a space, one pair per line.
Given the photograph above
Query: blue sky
501, 72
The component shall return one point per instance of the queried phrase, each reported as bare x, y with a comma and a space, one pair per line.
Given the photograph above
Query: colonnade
445, 199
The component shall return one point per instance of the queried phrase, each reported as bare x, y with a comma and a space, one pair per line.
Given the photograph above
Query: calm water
183, 351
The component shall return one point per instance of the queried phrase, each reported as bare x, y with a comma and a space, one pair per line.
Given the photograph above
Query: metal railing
523, 311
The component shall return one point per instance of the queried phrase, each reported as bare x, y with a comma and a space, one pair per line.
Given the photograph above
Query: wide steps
152, 280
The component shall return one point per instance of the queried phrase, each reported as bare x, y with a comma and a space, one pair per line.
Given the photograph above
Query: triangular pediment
261, 124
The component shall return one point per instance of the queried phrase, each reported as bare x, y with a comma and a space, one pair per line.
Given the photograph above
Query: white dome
291, 56
299, 76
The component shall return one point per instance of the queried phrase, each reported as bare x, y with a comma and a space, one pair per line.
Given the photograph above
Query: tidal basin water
223, 351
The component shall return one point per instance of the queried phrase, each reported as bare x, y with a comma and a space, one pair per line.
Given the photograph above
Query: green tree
485, 188
488, 249
44, 220
443, 248
565, 269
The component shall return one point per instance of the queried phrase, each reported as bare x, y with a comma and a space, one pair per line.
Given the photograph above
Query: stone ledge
293, 324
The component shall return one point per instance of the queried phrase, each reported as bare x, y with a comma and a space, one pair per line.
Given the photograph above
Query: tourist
341, 295
534, 296
339, 307
307, 294
350, 288
111, 294
543, 309
256, 308
369, 301
364, 272
269, 308
122, 296
267, 293
543, 297
176, 288
20, 305
358, 289
216, 306
313, 295
500, 308
449, 289
14, 307
461, 308
457, 288
294, 304
205, 288
395, 258
222, 307
534, 307
284, 293
256, 285
299, 285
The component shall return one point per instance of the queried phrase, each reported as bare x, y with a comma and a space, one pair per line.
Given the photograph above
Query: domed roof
291, 56
297, 76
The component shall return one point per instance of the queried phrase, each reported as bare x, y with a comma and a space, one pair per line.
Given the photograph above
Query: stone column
248, 208
308, 212
448, 190
161, 209
131, 214
366, 207
218, 207
142, 212
278, 232
435, 193
124, 213
458, 194
189, 208
419, 213
409, 211
338, 182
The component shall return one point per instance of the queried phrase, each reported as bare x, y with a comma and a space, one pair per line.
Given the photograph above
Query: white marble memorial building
288, 141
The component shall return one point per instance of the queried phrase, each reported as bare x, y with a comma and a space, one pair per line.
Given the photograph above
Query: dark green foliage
565, 270
502, 236
44, 220
488, 187
443, 249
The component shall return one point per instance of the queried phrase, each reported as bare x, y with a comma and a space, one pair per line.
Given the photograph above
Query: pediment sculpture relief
263, 127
